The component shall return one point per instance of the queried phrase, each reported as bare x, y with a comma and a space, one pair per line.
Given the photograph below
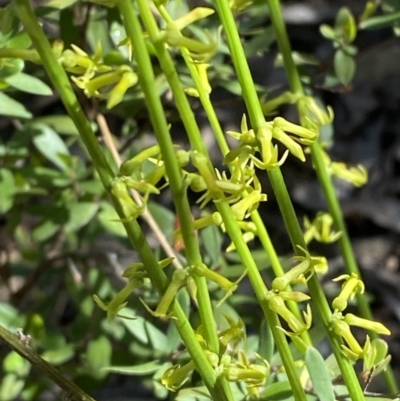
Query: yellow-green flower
179, 279
354, 350
350, 288
277, 304
176, 376
320, 229
358, 175
369, 325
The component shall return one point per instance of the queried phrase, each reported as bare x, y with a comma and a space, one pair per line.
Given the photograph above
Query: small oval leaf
136, 370
12, 108
345, 67
50, 145
29, 84
277, 392
319, 375
266, 345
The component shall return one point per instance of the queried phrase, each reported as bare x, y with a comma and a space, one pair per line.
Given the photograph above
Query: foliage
174, 314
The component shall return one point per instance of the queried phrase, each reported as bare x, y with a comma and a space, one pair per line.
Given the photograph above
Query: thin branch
22, 348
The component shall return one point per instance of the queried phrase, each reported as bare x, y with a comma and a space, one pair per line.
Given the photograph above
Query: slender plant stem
230, 223
323, 175
279, 187
135, 234
49, 370
23, 54
260, 290
177, 184
224, 147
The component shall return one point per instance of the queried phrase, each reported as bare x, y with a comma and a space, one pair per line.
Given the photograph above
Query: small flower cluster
184, 277
93, 76
341, 323
358, 175
136, 274
289, 134
131, 176
242, 190
225, 365
320, 229
277, 297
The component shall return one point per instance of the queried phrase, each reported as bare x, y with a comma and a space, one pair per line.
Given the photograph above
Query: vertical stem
323, 176
178, 187
216, 127
135, 234
279, 187
229, 221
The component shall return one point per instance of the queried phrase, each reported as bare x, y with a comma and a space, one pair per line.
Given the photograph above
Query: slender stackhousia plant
236, 198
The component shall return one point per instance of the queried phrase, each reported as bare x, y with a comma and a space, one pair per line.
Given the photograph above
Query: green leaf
10, 317
157, 338
381, 21
328, 32
98, 356
47, 177
12, 108
319, 375
60, 4
10, 387
94, 187
136, 370
50, 145
135, 327
45, 230
381, 349
10, 66
7, 191
27, 83
266, 344
109, 219
346, 23
345, 67
60, 123
59, 355
80, 214
276, 392
20, 40
164, 218
14, 363
211, 239
194, 393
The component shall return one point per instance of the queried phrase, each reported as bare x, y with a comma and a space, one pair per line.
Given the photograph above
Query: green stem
232, 228
260, 290
49, 370
23, 54
323, 175
135, 234
257, 118
224, 147
178, 187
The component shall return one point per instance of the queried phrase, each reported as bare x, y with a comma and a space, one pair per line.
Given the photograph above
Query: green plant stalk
323, 175
203, 96
135, 234
178, 187
279, 187
232, 228
224, 147
261, 290
23, 54
49, 370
